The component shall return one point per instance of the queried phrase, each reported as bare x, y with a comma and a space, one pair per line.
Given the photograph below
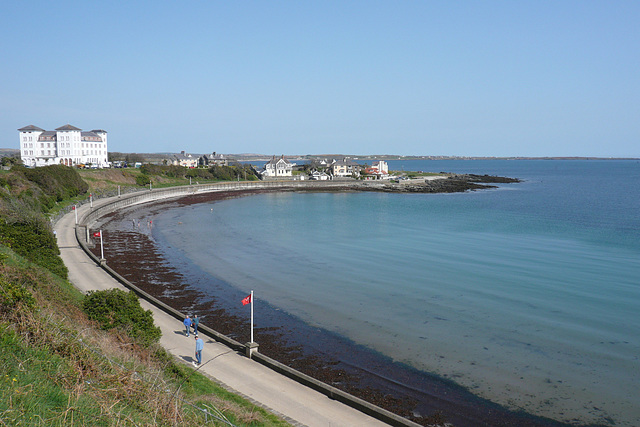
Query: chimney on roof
182, 152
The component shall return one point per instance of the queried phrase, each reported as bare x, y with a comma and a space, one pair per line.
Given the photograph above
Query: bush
34, 241
224, 173
143, 180
58, 182
115, 308
149, 169
11, 295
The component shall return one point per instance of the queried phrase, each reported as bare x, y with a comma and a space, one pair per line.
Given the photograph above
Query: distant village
279, 167
71, 146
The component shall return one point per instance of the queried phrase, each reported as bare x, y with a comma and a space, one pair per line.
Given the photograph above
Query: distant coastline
257, 157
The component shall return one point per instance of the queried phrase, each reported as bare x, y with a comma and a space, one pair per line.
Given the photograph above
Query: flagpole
101, 249
251, 316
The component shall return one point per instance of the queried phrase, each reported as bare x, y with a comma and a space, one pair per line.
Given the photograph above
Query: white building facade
67, 145
276, 168
381, 167
184, 159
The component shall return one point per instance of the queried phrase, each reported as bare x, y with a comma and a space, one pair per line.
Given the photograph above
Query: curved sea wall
173, 192
115, 203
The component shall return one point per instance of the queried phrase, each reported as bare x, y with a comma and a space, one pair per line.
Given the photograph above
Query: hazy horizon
361, 155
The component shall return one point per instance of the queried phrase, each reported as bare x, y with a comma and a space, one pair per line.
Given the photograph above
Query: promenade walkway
293, 401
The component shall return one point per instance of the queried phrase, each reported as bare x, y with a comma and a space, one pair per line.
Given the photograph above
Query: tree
10, 161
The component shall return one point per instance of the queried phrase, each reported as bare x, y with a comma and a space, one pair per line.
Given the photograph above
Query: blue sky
494, 78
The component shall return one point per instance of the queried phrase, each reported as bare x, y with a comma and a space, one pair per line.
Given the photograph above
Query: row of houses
192, 161
327, 169
280, 167
71, 146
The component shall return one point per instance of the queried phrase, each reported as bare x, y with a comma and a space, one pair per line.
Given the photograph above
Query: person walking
196, 322
199, 347
187, 325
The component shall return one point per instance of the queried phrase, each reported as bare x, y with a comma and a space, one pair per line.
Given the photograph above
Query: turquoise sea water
527, 294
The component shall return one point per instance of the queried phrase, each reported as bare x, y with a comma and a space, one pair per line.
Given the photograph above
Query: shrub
11, 295
115, 308
143, 180
149, 169
224, 173
34, 241
59, 182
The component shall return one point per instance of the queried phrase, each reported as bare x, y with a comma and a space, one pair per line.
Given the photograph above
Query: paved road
298, 404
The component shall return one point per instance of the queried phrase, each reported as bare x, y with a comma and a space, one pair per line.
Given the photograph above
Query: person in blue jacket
199, 347
187, 325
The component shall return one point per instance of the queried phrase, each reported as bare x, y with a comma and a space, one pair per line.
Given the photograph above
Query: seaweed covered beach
419, 396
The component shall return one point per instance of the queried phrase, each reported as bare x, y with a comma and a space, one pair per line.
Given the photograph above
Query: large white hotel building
67, 145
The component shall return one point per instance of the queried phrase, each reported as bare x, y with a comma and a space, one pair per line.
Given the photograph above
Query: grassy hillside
57, 367
162, 176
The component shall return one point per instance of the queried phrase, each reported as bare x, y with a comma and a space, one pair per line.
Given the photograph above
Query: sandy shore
330, 358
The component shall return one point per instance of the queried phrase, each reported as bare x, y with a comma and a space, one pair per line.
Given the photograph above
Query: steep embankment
60, 368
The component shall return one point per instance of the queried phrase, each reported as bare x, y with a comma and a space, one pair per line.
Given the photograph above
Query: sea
527, 294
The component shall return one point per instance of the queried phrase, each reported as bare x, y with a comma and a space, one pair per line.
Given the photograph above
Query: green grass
57, 369
94, 177
413, 174
244, 412
30, 387
50, 286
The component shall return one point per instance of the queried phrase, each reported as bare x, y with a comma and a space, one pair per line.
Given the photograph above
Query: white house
184, 159
378, 170
278, 168
319, 176
381, 167
67, 145
213, 160
344, 167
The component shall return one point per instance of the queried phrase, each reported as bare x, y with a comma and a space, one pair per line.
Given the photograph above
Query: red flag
96, 234
246, 300
73, 208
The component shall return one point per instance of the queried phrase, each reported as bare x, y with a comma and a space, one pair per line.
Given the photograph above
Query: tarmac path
291, 400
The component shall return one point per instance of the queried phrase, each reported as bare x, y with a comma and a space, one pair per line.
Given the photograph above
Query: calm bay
526, 294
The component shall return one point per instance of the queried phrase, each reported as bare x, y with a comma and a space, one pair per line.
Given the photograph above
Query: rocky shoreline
415, 395
452, 183
443, 183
